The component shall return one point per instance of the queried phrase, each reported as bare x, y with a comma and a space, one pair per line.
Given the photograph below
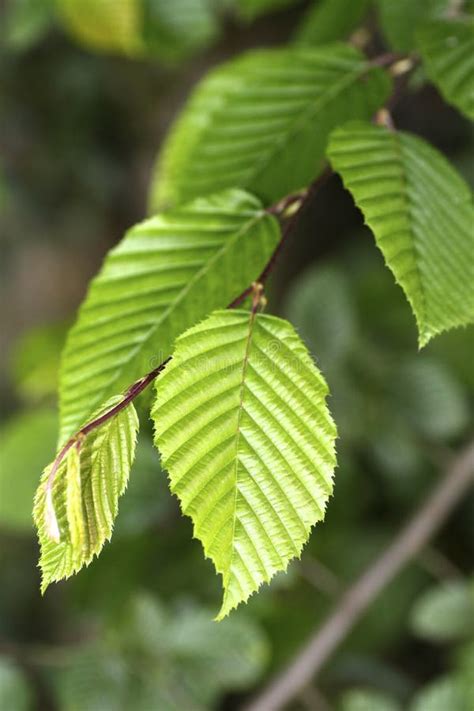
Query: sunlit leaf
76, 506
244, 431
421, 213
261, 122
166, 274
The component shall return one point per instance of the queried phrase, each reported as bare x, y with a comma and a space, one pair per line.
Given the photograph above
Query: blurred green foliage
129, 633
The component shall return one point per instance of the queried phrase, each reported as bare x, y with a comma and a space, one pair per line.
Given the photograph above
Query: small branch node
403, 66
383, 117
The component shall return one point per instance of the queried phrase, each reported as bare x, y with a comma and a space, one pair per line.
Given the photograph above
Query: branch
410, 540
291, 203
291, 206
295, 204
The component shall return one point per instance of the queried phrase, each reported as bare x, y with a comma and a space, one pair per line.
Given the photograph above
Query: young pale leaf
166, 274
75, 510
261, 122
447, 50
249, 443
421, 213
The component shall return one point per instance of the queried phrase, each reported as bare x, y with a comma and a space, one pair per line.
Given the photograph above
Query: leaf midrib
248, 344
312, 111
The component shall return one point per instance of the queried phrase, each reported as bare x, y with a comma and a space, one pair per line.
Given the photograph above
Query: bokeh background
82, 117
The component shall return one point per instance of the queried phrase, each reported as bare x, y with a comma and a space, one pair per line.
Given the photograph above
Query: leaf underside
420, 211
84, 496
165, 275
244, 431
447, 50
261, 122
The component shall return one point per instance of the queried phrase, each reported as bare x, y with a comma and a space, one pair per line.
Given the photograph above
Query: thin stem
256, 288
301, 201
384, 60
295, 205
132, 392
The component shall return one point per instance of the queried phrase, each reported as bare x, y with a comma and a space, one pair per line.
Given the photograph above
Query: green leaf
105, 25
320, 305
445, 613
154, 658
27, 22
207, 658
330, 20
464, 667
244, 431
166, 274
250, 9
15, 692
95, 679
173, 30
447, 50
27, 441
421, 213
400, 19
35, 358
367, 700
75, 509
428, 398
261, 122
444, 694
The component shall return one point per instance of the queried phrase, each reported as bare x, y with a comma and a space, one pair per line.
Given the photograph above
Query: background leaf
250, 9
26, 22
445, 613
166, 274
421, 213
261, 122
401, 19
447, 50
104, 24
367, 700
173, 30
34, 361
330, 20
429, 399
441, 695
85, 495
15, 694
27, 442
243, 429
320, 306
